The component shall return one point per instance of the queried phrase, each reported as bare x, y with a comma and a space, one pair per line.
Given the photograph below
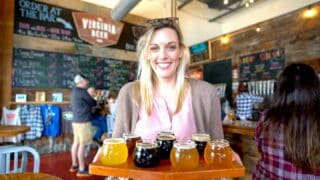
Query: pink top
182, 124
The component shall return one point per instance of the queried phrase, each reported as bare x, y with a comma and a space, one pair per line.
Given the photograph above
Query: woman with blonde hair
163, 99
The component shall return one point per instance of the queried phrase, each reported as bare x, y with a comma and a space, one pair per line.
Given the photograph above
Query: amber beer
201, 140
218, 154
146, 154
114, 151
184, 155
131, 140
165, 143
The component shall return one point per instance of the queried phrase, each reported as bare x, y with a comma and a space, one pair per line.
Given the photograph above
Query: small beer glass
146, 154
165, 143
114, 152
131, 140
184, 155
218, 154
201, 140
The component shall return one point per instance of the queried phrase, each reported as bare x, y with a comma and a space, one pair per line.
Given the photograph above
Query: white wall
196, 30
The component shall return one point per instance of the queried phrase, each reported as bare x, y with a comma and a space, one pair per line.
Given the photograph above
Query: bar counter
246, 128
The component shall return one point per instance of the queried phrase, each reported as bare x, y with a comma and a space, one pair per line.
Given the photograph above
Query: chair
6, 153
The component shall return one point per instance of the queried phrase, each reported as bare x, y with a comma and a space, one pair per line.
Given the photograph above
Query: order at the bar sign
97, 29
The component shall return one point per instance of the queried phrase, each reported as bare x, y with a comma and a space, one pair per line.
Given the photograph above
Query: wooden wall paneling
299, 36
6, 29
42, 44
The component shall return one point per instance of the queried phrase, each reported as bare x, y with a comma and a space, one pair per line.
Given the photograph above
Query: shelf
37, 102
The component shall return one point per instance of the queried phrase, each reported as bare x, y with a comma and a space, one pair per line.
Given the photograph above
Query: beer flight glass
146, 153
165, 142
218, 154
131, 140
201, 140
114, 152
184, 155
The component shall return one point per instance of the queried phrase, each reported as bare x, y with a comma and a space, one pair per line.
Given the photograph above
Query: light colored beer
114, 152
218, 154
184, 155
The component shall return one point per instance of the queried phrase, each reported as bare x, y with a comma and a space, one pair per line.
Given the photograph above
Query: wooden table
238, 128
10, 130
164, 171
28, 176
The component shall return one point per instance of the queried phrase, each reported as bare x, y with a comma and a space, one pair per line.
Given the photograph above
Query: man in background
245, 101
81, 104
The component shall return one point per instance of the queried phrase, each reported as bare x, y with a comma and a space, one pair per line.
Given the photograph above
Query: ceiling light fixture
247, 5
225, 2
251, 1
310, 12
224, 39
258, 29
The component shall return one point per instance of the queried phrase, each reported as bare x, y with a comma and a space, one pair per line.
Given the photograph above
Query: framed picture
40, 96
57, 97
21, 97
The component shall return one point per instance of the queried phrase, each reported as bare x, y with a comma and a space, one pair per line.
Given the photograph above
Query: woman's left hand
236, 158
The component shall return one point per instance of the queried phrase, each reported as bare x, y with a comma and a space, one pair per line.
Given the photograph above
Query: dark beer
146, 154
131, 140
165, 143
201, 140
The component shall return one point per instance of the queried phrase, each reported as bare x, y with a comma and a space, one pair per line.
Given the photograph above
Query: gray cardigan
205, 104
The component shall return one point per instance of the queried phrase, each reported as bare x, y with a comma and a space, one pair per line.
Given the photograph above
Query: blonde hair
145, 87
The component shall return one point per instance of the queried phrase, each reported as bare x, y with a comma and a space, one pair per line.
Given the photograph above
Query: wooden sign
96, 29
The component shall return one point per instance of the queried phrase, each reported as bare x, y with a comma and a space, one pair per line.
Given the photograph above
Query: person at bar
163, 99
81, 104
288, 134
245, 101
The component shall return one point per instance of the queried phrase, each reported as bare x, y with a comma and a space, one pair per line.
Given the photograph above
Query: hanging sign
97, 29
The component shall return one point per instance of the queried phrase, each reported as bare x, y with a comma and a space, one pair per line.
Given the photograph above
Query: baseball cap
78, 78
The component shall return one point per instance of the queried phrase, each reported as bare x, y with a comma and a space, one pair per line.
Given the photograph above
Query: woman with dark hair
288, 134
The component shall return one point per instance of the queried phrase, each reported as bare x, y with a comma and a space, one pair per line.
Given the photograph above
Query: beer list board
41, 69
262, 66
42, 20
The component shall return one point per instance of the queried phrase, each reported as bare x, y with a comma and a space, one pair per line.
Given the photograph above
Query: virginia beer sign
97, 29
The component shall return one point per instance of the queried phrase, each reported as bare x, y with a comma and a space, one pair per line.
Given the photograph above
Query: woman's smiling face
164, 52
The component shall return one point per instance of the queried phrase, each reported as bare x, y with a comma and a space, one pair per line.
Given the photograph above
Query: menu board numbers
41, 69
262, 66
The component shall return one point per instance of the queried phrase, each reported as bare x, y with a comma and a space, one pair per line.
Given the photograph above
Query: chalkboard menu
262, 66
199, 52
42, 20
41, 69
